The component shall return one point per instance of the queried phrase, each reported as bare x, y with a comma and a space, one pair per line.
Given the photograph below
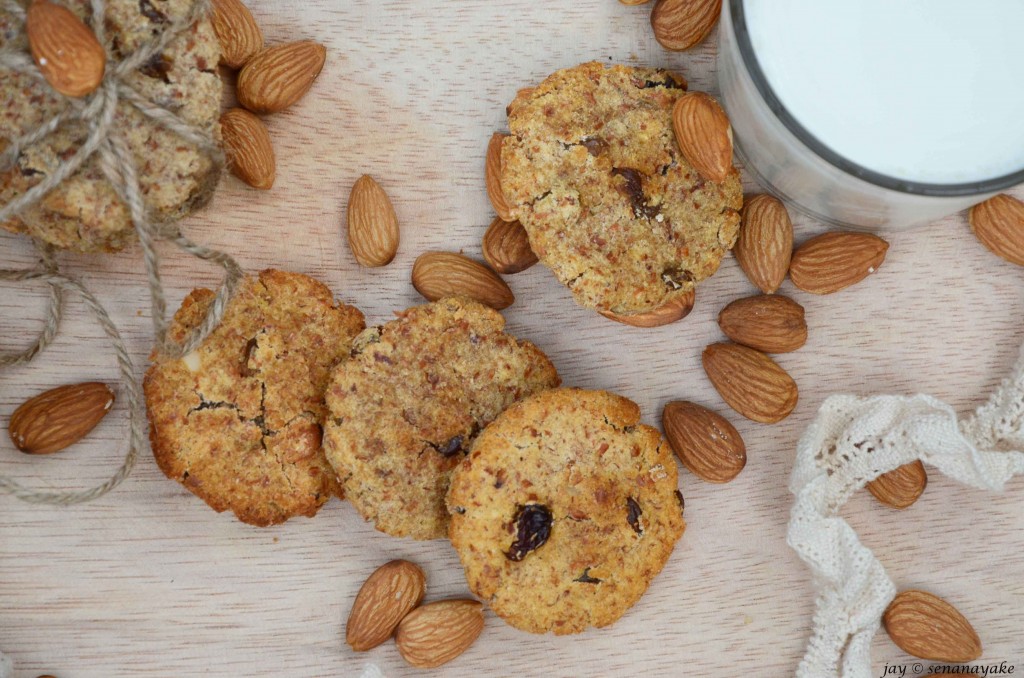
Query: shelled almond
768, 322
492, 177
386, 597
239, 35
279, 76
436, 275
674, 310
999, 224
707, 444
765, 244
506, 247
66, 50
373, 233
249, 150
704, 135
681, 24
928, 627
55, 419
901, 487
750, 382
834, 261
437, 633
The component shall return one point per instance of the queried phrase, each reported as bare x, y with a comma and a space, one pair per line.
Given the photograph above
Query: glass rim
749, 59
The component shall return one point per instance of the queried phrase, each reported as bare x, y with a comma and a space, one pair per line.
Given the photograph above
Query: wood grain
149, 582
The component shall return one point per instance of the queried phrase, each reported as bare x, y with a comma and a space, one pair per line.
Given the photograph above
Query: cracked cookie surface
409, 403
238, 421
593, 172
85, 213
565, 510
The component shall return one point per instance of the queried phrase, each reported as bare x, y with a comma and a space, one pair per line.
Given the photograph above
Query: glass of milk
876, 114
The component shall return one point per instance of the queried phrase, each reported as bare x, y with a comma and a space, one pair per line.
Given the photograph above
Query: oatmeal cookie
238, 421
593, 172
565, 510
84, 213
409, 403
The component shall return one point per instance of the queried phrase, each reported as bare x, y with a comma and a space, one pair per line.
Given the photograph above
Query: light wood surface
150, 582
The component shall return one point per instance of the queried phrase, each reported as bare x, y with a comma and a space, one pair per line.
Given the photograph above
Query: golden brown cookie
593, 172
239, 420
84, 213
409, 403
565, 510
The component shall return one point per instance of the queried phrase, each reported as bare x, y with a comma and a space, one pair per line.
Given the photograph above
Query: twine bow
103, 139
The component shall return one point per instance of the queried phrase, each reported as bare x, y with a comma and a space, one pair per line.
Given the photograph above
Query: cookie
238, 421
565, 510
84, 213
409, 403
593, 172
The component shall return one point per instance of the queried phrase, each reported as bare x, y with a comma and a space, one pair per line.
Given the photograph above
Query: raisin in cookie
238, 420
565, 510
593, 172
84, 213
408, 404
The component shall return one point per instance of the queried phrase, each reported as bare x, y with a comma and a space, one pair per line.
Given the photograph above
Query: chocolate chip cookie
565, 510
238, 421
85, 213
593, 172
409, 403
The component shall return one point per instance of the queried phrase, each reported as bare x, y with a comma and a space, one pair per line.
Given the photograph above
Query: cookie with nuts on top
85, 213
565, 510
409, 403
593, 172
238, 421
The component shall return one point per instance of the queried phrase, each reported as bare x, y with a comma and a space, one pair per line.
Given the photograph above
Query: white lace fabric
852, 441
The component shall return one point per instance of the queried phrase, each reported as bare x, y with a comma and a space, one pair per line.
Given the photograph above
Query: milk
928, 91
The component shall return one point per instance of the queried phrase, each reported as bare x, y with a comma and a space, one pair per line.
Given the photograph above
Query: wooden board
149, 582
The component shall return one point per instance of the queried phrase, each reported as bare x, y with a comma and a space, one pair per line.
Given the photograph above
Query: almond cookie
593, 172
85, 213
409, 403
238, 421
565, 510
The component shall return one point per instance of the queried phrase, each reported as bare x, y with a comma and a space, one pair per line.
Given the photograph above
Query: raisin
682, 502
675, 278
151, 12
157, 68
452, 447
585, 578
596, 146
250, 346
633, 188
634, 515
669, 82
533, 527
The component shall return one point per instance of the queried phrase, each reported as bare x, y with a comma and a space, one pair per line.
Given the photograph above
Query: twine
117, 163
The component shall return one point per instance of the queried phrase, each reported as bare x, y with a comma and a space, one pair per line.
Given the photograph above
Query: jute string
97, 112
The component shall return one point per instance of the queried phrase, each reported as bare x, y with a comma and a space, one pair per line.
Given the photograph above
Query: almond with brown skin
389, 594
765, 245
506, 247
279, 76
704, 136
768, 322
704, 441
750, 382
900, 487
492, 175
373, 234
926, 626
54, 419
681, 24
237, 32
999, 225
436, 275
66, 50
676, 309
437, 633
249, 150
834, 261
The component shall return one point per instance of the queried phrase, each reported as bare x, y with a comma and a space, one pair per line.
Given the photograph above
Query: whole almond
928, 627
704, 441
248, 148
436, 275
239, 35
506, 247
765, 245
999, 225
703, 134
900, 487
55, 419
66, 50
834, 261
768, 322
279, 76
390, 593
750, 382
681, 24
676, 309
437, 633
492, 175
373, 234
